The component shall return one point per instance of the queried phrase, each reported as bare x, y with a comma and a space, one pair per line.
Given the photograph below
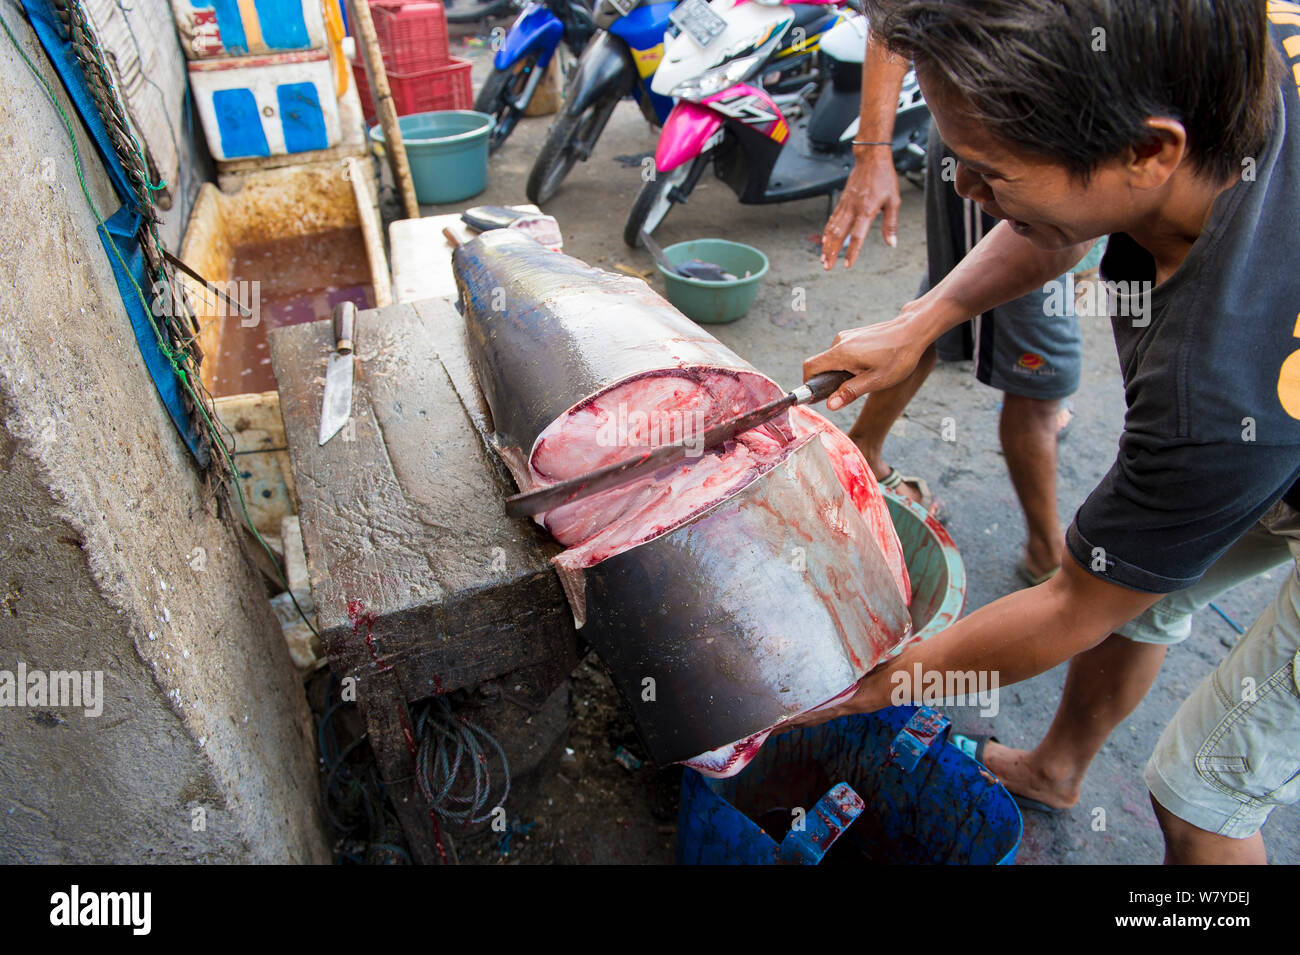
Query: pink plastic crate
412, 36
445, 87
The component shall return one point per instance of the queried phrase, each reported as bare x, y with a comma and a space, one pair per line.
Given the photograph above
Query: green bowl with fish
715, 303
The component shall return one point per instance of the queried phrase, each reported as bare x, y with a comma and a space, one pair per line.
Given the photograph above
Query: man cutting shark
1174, 128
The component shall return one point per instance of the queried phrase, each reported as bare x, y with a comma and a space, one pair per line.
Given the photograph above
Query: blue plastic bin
882, 788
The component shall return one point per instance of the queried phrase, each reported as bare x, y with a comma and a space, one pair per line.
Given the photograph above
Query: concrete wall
101, 515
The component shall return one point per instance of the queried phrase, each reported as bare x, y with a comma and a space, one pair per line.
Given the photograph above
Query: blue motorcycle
523, 57
620, 61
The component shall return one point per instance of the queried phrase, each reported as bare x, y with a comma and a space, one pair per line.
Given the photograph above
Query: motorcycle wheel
568, 137
653, 202
495, 98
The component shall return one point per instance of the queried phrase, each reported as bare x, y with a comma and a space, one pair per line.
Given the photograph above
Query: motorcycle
765, 144
618, 62
523, 56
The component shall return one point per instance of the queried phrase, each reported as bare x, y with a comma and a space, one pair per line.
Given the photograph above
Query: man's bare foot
904, 489
1017, 771
1039, 560
880, 470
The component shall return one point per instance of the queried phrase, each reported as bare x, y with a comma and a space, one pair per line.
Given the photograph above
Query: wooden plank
362, 177
363, 28
261, 456
422, 255
422, 584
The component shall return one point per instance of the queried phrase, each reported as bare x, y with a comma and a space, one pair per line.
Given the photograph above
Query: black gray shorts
1030, 346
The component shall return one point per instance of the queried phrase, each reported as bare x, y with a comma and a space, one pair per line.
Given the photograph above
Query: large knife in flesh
816, 388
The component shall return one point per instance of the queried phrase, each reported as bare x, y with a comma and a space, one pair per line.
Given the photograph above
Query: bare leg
1028, 431
880, 410
1103, 686
1185, 844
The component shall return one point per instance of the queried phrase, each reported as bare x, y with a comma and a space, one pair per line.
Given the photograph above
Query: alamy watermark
946, 688
132, 910
1095, 298
642, 429
53, 689
242, 300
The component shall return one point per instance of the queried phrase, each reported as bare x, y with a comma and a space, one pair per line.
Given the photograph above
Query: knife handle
820, 387
345, 326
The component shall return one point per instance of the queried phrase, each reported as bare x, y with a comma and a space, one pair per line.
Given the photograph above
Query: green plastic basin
447, 151
934, 566
715, 302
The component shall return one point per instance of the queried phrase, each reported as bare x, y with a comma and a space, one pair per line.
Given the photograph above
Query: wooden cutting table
423, 586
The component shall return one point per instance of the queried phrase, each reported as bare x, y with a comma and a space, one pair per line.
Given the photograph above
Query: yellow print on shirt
1287, 13
1288, 380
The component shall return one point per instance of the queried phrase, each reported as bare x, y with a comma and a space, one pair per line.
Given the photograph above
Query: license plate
624, 7
699, 21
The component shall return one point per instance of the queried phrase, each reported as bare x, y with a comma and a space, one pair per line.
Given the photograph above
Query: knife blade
336, 406
816, 388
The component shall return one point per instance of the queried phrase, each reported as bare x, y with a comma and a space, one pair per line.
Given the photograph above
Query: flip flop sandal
1030, 580
932, 505
973, 744
1033, 805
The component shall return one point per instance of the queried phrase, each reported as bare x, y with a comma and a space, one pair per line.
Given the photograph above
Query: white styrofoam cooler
266, 105
211, 28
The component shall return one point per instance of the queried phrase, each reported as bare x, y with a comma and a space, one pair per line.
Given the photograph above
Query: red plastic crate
412, 36
446, 87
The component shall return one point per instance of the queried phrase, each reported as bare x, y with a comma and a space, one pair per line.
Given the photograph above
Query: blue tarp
121, 231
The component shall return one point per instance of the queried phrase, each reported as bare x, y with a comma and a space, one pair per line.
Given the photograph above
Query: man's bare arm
872, 186
1017, 637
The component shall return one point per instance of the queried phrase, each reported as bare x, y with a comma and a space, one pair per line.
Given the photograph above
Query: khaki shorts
1232, 751
1257, 552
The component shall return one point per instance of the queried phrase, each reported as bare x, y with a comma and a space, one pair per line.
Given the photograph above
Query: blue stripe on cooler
240, 123
301, 116
230, 24
283, 24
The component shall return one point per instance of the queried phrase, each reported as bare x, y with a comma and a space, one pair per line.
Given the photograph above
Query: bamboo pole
368, 49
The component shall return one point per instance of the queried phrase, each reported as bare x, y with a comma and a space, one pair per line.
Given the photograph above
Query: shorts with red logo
1015, 353
1028, 347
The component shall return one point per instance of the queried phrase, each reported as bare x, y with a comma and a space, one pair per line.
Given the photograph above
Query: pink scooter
767, 145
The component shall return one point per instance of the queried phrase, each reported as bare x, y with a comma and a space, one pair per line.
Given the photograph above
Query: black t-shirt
1211, 373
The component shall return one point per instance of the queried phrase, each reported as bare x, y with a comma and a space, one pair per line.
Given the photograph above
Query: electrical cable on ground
354, 799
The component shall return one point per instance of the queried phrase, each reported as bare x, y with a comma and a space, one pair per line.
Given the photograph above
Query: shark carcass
728, 592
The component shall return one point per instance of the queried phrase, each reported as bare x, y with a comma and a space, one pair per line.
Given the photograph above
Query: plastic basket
412, 36
445, 87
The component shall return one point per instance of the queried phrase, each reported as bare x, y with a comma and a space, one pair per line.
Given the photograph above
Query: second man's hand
872, 186
871, 190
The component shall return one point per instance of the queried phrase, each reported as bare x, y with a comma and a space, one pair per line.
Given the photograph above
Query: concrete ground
969, 474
